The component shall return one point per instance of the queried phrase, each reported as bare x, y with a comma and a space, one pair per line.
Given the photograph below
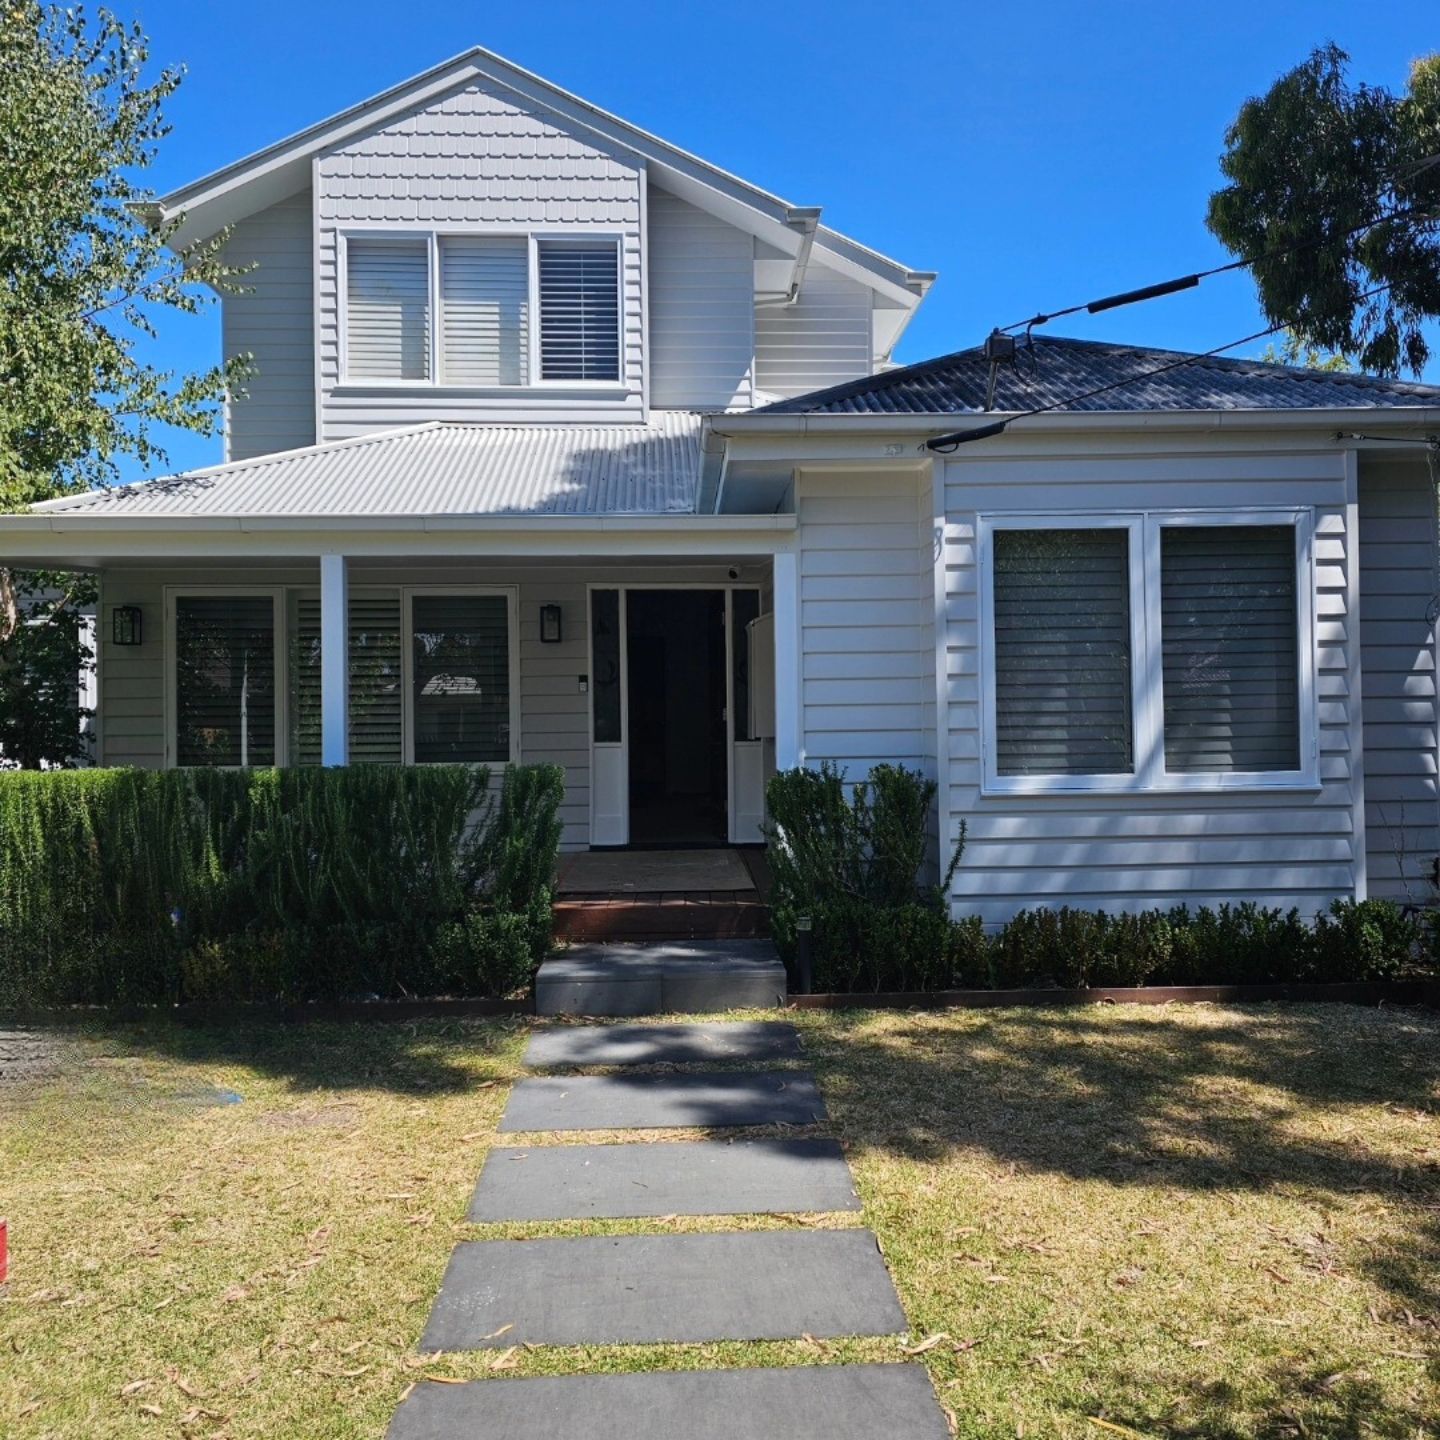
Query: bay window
1148, 651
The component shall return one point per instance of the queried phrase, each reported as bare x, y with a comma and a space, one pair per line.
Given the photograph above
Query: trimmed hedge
145, 887
853, 864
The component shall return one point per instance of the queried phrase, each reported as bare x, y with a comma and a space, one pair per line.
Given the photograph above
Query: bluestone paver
661, 1102
709, 1177
836, 1402
576, 1046
678, 1289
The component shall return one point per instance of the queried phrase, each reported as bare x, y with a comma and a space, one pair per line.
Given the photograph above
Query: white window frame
1146, 658
276, 594
511, 595
435, 236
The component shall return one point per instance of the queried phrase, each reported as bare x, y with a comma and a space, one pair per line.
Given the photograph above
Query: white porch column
789, 751
334, 667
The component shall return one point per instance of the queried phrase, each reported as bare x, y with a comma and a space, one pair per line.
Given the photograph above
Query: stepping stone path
668, 1288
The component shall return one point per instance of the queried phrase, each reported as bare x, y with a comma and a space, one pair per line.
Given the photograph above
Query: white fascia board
78, 542
742, 424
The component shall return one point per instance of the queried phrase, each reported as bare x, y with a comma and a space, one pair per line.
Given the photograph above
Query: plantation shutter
461, 677
224, 680
376, 698
579, 311
485, 303
1229, 641
304, 679
387, 299
1062, 652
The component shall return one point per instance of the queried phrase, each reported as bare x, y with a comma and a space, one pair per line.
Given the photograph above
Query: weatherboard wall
823, 338
269, 318
1139, 849
1398, 569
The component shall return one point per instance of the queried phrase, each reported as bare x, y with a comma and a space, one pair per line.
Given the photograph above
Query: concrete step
671, 977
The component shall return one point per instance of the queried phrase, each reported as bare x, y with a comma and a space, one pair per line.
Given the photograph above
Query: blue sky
1036, 156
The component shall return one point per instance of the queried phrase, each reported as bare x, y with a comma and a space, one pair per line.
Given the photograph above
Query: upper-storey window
460, 310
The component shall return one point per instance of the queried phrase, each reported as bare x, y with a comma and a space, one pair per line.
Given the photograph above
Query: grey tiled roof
1051, 369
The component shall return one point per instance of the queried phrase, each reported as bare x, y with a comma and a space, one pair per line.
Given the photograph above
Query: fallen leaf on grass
29, 1409
135, 1387
444, 1379
235, 1293
505, 1360
928, 1343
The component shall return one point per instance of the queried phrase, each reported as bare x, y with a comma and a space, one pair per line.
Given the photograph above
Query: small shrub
1364, 940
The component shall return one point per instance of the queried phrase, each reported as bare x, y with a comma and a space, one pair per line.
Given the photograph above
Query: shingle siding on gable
468, 159
1138, 850
702, 315
822, 339
1397, 581
271, 319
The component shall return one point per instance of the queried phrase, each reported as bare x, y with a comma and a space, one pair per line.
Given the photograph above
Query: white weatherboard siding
702, 333
1397, 589
469, 160
271, 320
554, 714
1136, 850
866, 621
823, 339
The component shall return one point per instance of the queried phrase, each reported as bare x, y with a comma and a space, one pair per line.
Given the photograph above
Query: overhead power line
1189, 282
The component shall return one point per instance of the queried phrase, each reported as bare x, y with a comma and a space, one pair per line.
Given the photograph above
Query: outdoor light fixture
125, 625
550, 624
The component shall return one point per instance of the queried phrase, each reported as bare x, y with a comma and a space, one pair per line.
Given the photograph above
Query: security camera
733, 573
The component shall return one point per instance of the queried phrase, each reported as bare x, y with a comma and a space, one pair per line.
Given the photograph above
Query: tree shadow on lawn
1239, 1099
412, 1057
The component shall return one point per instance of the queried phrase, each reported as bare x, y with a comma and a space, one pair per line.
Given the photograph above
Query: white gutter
96, 520
806, 220
757, 423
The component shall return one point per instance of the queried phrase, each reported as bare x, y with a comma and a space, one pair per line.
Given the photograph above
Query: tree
1335, 193
84, 272
1292, 350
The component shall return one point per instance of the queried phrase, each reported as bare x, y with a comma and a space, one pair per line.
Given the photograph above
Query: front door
675, 644
673, 761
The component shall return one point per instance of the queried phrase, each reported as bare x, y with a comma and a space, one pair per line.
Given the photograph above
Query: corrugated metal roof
1051, 371
441, 469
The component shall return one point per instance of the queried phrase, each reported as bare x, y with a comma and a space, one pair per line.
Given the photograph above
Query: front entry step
661, 979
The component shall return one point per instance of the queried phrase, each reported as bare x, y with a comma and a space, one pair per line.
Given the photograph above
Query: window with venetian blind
460, 678
225, 680
579, 310
1217, 615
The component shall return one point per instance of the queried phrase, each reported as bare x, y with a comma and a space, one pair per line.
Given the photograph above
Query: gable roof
1052, 371
283, 168
436, 469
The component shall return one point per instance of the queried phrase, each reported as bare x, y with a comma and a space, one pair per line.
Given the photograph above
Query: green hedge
140, 886
853, 862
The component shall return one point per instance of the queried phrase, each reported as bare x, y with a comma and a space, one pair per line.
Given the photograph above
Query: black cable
1189, 282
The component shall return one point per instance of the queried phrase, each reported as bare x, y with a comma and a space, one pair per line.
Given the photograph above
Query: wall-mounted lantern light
550, 624
125, 625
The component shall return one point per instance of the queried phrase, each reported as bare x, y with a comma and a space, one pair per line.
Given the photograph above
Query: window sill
549, 389
1250, 784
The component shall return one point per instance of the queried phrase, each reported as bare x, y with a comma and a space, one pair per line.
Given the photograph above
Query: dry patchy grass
1206, 1222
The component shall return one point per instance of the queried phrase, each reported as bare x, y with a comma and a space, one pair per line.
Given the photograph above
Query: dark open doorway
678, 780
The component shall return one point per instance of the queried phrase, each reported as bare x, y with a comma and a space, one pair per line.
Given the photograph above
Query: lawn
1210, 1222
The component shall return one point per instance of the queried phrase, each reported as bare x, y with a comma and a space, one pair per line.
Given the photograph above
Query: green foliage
83, 276
154, 886
854, 863
1372, 937
1237, 945
1293, 351
1315, 166
1075, 949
